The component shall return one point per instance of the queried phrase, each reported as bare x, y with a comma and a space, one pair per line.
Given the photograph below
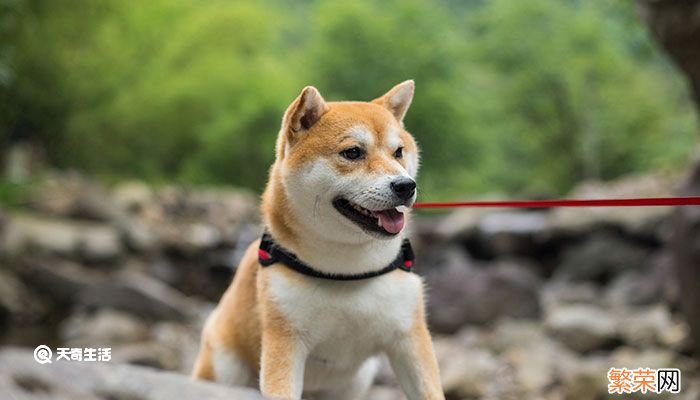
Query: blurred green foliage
523, 97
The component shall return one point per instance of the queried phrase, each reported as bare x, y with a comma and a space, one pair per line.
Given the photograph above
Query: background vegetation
521, 97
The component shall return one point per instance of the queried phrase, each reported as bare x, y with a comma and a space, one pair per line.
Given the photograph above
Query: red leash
638, 202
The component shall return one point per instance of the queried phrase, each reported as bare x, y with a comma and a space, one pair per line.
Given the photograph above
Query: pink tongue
390, 220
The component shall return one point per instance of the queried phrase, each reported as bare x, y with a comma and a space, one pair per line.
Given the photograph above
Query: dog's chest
343, 323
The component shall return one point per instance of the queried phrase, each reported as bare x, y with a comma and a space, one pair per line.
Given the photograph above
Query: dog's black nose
403, 187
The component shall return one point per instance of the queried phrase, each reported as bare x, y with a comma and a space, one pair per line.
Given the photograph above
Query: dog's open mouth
386, 222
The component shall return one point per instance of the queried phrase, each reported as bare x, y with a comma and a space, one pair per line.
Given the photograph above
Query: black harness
271, 252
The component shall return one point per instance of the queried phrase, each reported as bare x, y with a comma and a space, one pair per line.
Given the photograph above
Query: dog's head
348, 168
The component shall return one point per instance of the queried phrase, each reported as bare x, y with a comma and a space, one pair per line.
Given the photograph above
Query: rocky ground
524, 304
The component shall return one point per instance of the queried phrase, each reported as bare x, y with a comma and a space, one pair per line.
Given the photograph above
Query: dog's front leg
413, 360
282, 364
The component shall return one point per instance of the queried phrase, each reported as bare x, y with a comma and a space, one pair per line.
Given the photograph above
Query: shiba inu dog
329, 286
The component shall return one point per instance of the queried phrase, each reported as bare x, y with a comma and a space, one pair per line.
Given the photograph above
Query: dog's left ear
398, 99
304, 111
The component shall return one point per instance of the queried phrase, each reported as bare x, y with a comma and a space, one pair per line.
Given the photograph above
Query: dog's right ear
304, 112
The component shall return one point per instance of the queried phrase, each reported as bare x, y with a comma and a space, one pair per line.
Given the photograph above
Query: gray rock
582, 327
25, 233
643, 222
60, 280
105, 326
556, 293
139, 236
584, 379
512, 233
630, 357
184, 340
101, 244
461, 292
536, 358
648, 327
459, 223
493, 233
685, 247
17, 302
644, 287
29, 233
466, 372
148, 354
132, 196
73, 196
633, 288
140, 295
601, 257
22, 378
513, 333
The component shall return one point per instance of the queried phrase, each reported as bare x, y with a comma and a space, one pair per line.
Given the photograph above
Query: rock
492, 233
60, 280
461, 292
105, 326
140, 295
556, 293
71, 195
584, 379
189, 240
94, 242
132, 196
601, 257
165, 345
201, 236
138, 236
536, 359
509, 233
582, 327
685, 247
633, 288
648, 327
26, 233
183, 340
101, 244
462, 222
512, 333
148, 354
220, 207
466, 372
17, 303
22, 378
627, 357
642, 222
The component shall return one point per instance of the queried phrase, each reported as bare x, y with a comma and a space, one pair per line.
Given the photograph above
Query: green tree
519, 97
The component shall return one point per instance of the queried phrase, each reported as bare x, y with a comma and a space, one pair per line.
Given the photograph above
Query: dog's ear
304, 111
398, 99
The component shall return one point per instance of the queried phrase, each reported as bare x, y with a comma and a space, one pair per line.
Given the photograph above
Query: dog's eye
353, 153
398, 153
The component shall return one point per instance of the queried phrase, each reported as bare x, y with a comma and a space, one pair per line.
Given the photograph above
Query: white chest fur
344, 323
